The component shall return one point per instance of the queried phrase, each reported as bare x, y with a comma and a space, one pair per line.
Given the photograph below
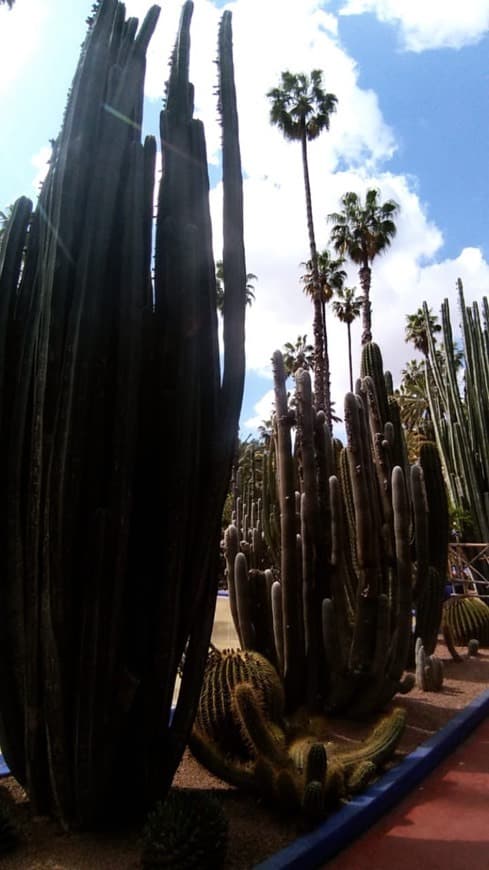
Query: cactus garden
130, 721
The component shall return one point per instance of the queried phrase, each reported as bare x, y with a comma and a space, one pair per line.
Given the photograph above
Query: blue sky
412, 82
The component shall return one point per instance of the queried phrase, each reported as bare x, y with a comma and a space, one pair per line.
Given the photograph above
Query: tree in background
298, 356
301, 109
363, 231
331, 277
418, 327
250, 288
347, 308
5, 215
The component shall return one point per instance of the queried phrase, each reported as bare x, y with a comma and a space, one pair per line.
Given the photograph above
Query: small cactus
189, 830
429, 670
473, 647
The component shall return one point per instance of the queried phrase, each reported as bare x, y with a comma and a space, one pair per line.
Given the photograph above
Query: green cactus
285, 760
461, 423
359, 547
429, 670
189, 830
217, 714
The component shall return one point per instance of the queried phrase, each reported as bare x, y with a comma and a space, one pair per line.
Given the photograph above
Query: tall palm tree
417, 329
5, 217
250, 287
347, 308
301, 109
362, 231
331, 277
298, 356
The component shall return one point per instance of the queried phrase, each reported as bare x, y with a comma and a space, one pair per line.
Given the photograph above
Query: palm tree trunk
326, 376
348, 326
321, 362
365, 276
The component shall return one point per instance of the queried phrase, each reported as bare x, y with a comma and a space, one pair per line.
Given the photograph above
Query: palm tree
250, 289
412, 396
298, 356
364, 230
417, 329
331, 277
347, 308
301, 109
5, 217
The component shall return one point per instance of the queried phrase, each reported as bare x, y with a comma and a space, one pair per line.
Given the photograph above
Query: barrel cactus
466, 618
244, 739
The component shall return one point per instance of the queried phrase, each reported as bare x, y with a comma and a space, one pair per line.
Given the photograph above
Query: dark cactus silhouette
117, 432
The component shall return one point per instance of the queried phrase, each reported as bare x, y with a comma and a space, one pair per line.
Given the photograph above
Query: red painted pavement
442, 825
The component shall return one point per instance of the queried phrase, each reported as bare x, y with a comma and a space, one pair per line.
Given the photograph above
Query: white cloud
433, 24
21, 33
263, 411
351, 156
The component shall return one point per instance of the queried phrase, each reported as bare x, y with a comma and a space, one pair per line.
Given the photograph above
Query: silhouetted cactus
117, 432
9, 834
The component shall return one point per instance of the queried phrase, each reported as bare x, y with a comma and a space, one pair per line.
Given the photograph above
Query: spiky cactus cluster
288, 760
358, 549
461, 423
189, 830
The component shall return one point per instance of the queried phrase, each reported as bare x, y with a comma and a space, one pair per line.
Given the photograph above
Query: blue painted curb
4, 771
338, 831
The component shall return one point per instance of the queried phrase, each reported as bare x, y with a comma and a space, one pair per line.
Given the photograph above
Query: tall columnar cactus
461, 423
117, 432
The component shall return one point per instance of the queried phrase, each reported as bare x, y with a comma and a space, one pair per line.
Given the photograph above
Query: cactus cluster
429, 670
241, 735
117, 431
189, 830
358, 546
461, 423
